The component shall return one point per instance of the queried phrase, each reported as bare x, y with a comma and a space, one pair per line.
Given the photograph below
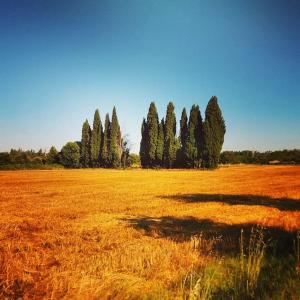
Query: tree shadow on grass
228, 236
283, 204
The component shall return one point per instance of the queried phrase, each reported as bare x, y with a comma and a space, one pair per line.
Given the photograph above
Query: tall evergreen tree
96, 139
105, 142
170, 133
143, 145
191, 152
152, 134
183, 138
160, 143
199, 140
213, 131
208, 161
115, 149
85, 153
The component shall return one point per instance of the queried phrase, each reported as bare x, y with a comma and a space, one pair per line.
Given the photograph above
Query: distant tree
213, 133
41, 154
4, 158
115, 141
106, 142
70, 155
125, 162
152, 134
160, 143
134, 160
191, 151
170, 137
85, 155
143, 144
183, 135
96, 139
52, 156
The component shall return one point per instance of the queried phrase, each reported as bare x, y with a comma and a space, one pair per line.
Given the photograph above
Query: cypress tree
96, 139
160, 143
170, 132
144, 133
85, 153
115, 149
105, 142
213, 131
183, 138
191, 152
207, 147
199, 140
152, 134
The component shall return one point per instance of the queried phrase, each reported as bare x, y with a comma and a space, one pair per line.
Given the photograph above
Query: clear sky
60, 60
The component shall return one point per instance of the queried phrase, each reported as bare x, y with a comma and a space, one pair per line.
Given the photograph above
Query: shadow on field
284, 204
226, 236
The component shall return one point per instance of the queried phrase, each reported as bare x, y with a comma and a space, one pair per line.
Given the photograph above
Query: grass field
146, 234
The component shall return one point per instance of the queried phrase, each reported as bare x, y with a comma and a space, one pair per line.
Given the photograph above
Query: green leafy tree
85, 155
96, 139
106, 142
191, 151
160, 143
170, 137
143, 144
70, 155
52, 156
115, 149
152, 134
213, 133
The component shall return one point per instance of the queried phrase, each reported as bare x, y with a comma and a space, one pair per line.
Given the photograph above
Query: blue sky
60, 60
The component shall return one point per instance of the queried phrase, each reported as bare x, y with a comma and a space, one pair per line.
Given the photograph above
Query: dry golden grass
103, 234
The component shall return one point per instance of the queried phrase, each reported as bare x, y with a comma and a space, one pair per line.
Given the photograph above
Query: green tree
125, 161
191, 151
213, 133
134, 160
160, 143
52, 156
115, 149
96, 139
70, 155
183, 136
106, 142
170, 139
85, 155
143, 144
152, 134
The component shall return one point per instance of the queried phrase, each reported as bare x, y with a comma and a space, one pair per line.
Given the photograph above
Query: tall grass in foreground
253, 274
240, 284
250, 264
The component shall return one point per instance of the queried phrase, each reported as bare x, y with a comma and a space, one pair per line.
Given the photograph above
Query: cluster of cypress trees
101, 147
199, 143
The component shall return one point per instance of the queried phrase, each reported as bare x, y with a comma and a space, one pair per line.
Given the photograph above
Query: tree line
256, 157
199, 142
100, 146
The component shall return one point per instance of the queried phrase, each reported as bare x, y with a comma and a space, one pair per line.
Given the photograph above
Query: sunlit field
150, 234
